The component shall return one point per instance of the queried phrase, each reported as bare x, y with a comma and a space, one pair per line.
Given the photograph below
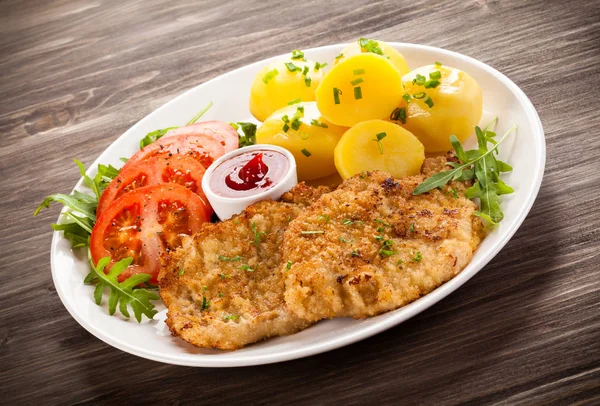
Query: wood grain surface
77, 74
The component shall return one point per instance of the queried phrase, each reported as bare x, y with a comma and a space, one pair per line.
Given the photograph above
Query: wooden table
77, 74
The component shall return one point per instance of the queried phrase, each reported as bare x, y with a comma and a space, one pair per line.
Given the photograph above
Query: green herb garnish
257, 234
246, 268
358, 72
305, 152
336, 95
406, 97
205, 305
435, 75
231, 317
357, 93
248, 135
345, 240
297, 54
318, 124
230, 259
399, 114
270, 75
356, 81
386, 249
124, 293
419, 95
295, 101
480, 165
181, 271
429, 102
378, 138
417, 257
288, 265
340, 55
324, 217
292, 68
370, 45
312, 232
320, 65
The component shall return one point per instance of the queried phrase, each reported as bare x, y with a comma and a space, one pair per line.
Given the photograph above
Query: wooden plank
76, 74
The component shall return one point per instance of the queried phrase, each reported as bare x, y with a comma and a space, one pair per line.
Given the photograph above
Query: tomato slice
230, 137
152, 171
144, 223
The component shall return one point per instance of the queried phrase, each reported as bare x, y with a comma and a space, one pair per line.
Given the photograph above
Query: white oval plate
525, 150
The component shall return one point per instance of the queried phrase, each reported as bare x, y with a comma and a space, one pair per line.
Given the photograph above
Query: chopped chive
324, 217
380, 136
295, 101
320, 65
435, 75
205, 304
285, 128
291, 67
225, 276
438, 65
230, 259
406, 97
370, 45
305, 152
318, 124
181, 271
297, 54
204, 288
231, 317
307, 81
358, 72
270, 75
383, 223
357, 93
411, 229
419, 95
285, 118
340, 55
299, 112
399, 114
431, 84
419, 80
429, 102
246, 268
288, 265
400, 262
341, 239
357, 81
305, 70
336, 95
311, 232
417, 257
296, 123
303, 136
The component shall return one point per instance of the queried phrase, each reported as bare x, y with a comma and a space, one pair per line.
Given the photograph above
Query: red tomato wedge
156, 170
205, 142
231, 139
144, 223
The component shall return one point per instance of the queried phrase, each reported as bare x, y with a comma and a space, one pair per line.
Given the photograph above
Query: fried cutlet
370, 246
223, 288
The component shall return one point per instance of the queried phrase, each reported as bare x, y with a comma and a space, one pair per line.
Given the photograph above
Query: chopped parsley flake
288, 265
386, 249
417, 257
257, 234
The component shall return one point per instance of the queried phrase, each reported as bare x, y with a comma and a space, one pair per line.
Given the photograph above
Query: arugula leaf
248, 135
480, 165
157, 134
78, 202
154, 135
124, 294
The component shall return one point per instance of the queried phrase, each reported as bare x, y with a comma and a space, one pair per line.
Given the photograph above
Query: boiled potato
275, 86
378, 145
394, 56
311, 144
361, 87
457, 107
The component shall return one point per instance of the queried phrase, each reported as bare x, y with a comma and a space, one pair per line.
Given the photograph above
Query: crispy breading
223, 288
371, 246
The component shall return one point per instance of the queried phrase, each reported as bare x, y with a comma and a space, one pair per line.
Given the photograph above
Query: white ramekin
225, 207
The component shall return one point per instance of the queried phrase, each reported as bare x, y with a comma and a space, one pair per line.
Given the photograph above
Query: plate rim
349, 337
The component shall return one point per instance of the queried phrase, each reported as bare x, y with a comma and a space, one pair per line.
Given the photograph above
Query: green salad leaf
123, 294
157, 134
480, 165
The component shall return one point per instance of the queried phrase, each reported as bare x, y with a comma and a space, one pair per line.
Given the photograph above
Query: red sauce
249, 173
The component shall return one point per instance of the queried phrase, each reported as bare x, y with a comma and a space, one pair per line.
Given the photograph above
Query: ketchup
249, 173
252, 175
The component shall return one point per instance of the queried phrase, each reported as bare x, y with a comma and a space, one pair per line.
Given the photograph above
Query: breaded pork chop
370, 246
223, 288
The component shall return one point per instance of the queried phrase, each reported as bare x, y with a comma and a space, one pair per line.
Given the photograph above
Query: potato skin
457, 109
394, 56
318, 141
400, 153
378, 80
266, 98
